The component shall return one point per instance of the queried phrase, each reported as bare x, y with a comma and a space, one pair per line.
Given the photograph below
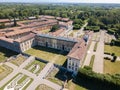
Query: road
89, 54
99, 57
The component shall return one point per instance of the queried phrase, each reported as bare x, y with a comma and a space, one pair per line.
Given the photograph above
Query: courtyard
49, 54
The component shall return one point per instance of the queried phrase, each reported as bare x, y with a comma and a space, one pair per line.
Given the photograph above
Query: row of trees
110, 82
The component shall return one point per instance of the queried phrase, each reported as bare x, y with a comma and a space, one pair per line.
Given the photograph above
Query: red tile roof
79, 48
4, 20
6, 39
27, 37
16, 32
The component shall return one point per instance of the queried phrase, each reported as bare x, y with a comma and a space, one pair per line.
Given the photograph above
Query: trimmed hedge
111, 81
115, 42
107, 53
93, 28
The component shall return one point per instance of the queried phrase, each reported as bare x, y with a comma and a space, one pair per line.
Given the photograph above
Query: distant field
52, 55
111, 67
112, 49
5, 53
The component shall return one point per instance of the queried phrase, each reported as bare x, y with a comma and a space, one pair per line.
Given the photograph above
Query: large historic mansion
29, 34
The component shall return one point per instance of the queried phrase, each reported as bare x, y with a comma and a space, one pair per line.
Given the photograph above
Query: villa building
29, 34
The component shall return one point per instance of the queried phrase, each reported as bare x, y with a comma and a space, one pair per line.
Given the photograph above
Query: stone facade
59, 43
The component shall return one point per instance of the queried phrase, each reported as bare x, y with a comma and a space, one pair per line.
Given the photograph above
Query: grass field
48, 54
5, 53
112, 49
4, 71
18, 61
41, 64
43, 87
111, 67
74, 86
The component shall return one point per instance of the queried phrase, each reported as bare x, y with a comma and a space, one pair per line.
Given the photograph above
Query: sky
69, 1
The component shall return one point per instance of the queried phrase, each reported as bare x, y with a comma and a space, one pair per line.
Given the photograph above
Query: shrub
107, 58
114, 59
113, 54
107, 53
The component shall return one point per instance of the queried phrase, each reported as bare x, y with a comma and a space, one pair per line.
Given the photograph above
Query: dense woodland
98, 16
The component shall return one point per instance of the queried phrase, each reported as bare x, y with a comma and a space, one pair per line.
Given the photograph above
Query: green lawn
48, 54
18, 61
74, 86
95, 47
51, 77
22, 79
43, 87
112, 49
111, 67
4, 71
92, 61
41, 64
5, 53
45, 31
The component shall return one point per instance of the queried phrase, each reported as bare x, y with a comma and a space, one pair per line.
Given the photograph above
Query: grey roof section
58, 37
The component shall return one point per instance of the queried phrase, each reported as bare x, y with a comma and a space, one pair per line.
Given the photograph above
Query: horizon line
62, 2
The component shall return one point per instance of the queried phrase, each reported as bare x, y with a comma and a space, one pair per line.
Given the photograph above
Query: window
69, 67
72, 68
72, 64
75, 69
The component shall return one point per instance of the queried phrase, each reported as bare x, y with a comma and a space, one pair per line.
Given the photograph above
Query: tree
2, 25
54, 28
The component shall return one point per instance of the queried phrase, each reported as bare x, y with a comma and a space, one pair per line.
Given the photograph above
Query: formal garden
35, 66
17, 59
18, 82
4, 71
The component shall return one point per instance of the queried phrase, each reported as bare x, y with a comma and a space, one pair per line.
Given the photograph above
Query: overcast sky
74, 1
